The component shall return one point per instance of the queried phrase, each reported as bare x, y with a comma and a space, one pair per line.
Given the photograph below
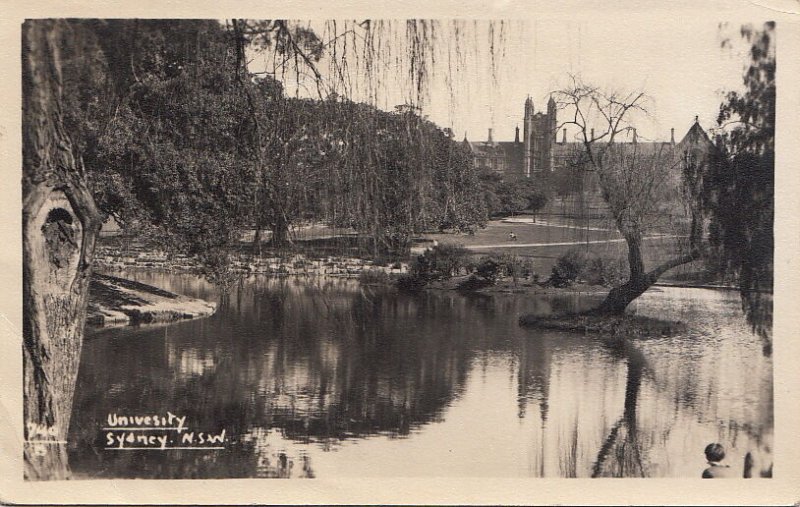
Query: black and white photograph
398, 248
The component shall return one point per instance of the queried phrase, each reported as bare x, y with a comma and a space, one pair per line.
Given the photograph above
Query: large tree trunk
620, 297
280, 231
59, 225
257, 238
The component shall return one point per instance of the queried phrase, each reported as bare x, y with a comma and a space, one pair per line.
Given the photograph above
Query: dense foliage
740, 188
155, 110
505, 197
183, 145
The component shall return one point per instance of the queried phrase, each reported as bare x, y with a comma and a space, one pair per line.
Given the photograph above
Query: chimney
490, 136
672, 135
635, 140
564, 137
591, 137
516, 136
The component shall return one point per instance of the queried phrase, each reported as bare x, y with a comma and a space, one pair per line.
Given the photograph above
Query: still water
324, 378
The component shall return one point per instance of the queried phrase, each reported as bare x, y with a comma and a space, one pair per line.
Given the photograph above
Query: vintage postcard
439, 253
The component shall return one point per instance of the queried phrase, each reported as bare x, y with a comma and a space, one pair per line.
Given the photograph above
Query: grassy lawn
543, 242
542, 239
497, 233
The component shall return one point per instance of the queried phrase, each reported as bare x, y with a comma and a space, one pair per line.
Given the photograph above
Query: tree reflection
321, 366
534, 376
292, 370
622, 444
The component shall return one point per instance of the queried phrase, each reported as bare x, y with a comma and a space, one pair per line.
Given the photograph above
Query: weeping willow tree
164, 125
389, 173
740, 194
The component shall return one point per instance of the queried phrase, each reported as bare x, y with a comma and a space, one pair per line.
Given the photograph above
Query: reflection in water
621, 442
322, 378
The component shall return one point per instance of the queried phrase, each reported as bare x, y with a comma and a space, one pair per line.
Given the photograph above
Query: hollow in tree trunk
59, 226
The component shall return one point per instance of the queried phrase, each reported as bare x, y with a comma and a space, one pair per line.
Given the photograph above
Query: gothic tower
551, 117
528, 136
552, 131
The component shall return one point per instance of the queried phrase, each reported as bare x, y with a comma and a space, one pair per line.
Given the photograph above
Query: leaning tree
648, 187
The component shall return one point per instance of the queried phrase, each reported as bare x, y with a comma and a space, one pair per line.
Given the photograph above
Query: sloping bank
116, 301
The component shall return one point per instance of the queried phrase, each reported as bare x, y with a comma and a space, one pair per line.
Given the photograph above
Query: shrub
440, 262
516, 267
576, 264
488, 269
493, 267
568, 268
216, 266
606, 271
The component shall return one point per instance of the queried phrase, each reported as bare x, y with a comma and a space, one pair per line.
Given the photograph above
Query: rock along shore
116, 301
136, 256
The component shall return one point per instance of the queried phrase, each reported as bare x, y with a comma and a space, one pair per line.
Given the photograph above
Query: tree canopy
740, 190
184, 145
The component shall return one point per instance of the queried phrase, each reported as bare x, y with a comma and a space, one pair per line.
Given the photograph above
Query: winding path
564, 243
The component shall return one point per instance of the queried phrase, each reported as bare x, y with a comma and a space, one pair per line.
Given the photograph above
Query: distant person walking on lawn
512, 236
715, 453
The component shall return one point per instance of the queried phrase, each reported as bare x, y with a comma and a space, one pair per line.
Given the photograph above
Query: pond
321, 377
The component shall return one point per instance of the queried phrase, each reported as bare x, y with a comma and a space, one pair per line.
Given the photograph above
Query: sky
680, 65
678, 62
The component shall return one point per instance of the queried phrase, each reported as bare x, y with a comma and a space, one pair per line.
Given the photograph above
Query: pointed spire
528, 106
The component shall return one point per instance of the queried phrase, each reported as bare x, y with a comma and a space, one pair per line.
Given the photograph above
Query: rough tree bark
59, 226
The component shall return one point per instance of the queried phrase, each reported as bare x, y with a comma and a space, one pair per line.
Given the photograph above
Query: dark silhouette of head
715, 452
